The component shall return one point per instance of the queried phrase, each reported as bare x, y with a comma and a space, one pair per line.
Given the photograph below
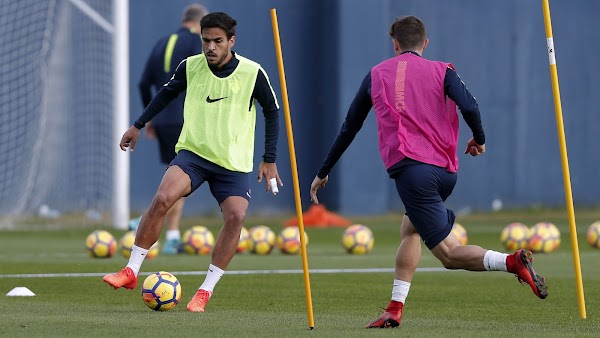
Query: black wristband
269, 159
480, 139
138, 125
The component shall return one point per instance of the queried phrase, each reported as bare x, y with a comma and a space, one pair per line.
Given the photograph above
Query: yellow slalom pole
290, 136
564, 158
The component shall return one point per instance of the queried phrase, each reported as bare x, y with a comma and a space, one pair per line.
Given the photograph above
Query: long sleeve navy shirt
157, 72
262, 93
454, 88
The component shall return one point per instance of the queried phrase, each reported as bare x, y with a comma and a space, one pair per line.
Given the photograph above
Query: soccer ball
514, 236
543, 237
243, 243
358, 239
593, 235
126, 243
161, 291
461, 233
261, 240
288, 240
101, 244
198, 240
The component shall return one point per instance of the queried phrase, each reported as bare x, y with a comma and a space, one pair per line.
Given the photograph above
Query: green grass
440, 304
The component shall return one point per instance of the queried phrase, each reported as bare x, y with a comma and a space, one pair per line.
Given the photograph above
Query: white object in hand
274, 188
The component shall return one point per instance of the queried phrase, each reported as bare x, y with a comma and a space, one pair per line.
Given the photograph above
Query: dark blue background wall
498, 48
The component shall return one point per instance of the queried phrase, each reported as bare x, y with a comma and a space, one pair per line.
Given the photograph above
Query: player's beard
219, 62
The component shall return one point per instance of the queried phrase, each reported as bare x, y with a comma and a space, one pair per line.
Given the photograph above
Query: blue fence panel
499, 50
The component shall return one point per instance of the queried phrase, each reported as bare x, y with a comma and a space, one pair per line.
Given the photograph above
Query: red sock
394, 306
511, 261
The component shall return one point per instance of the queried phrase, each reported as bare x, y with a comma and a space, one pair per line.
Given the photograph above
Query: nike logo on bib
209, 100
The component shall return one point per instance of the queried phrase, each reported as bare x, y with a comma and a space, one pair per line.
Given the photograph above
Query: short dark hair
193, 13
409, 31
219, 20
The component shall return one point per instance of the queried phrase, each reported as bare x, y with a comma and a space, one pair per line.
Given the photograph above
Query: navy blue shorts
223, 182
167, 137
423, 189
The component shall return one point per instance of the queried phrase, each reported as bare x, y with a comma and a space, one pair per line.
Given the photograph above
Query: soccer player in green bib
216, 145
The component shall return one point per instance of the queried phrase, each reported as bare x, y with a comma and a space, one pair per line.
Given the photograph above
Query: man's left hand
268, 171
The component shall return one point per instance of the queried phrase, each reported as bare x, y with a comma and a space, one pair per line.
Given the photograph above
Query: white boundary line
233, 272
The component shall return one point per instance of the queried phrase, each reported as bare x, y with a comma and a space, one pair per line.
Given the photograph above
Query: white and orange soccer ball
593, 235
514, 236
101, 244
261, 240
358, 239
161, 291
543, 237
460, 233
288, 240
243, 243
126, 243
198, 240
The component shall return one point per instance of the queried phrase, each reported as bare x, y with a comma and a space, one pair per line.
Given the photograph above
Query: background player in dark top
168, 52
415, 101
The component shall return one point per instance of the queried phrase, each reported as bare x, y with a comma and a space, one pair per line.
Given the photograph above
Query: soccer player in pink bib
415, 102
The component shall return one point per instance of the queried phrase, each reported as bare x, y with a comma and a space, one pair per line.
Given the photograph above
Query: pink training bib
415, 119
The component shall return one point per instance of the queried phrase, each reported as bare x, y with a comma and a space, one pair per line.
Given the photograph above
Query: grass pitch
440, 303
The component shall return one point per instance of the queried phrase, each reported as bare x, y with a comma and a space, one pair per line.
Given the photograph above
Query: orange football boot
199, 301
124, 278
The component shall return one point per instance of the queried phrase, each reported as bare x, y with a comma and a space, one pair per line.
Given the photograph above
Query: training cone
20, 291
318, 216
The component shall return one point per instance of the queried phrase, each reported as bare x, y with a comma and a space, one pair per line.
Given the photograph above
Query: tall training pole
290, 136
564, 158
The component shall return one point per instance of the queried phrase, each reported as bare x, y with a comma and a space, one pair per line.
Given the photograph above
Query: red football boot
521, 264
390, 318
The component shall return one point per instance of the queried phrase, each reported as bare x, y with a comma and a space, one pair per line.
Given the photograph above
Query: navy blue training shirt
454, 88
157, 73
262, 93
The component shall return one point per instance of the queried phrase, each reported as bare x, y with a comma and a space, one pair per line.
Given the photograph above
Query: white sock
137, 258
173, 234
494, 261
400, 290
213, 275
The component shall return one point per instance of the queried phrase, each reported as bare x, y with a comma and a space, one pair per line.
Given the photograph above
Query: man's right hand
315, 185
474, 149
129, 139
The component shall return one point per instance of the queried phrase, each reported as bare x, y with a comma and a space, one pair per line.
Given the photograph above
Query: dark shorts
223, 182
167, 137
423, 189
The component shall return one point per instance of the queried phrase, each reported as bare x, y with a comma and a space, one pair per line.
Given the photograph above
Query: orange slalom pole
290, 136
564, 158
